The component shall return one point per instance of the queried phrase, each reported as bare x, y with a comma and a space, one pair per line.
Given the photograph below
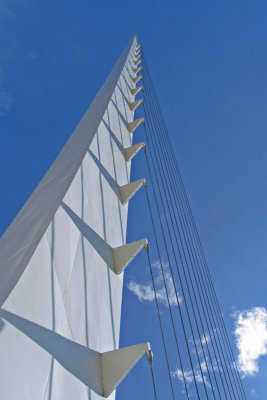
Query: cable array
204, 354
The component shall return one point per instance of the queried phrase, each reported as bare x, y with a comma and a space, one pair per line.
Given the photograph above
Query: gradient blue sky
208, 62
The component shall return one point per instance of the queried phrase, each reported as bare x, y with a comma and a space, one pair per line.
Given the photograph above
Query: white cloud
251, 338
144, 292
189, 377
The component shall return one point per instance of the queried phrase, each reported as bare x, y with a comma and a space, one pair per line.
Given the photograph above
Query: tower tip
136, 38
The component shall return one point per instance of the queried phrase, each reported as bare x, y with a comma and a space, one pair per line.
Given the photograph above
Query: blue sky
208, 63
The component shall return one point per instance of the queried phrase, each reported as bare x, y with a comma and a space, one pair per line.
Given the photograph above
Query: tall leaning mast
63, 256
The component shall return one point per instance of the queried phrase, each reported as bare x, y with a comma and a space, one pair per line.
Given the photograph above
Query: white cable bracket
138, 62
137, 78
126, 192
135, 104
123, 255
117, 364
136, 70
149, 355
101, 372
130, 152
137, 90
131, 126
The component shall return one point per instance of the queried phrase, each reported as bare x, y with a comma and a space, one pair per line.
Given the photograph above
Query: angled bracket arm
137, 57
138, 62
123, 255
137, 90
135, 104
130, 152
137, 78
101, 372
127, 191
116, 364
137, 69
131, 126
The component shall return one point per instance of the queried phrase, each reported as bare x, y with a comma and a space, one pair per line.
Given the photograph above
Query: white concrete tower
62, 258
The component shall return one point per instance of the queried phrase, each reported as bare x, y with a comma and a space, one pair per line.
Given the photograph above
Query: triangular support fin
138, 62
116, 364
123, 255
130, 152
136, 70
135, 104
131, 126
127, 191
136, 79
101, 372
137, 90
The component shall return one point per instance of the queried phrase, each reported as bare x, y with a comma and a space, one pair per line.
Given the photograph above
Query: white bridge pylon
63, 256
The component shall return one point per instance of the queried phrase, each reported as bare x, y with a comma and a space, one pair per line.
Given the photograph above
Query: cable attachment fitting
144, 148
147, 247
145, 185
149, 355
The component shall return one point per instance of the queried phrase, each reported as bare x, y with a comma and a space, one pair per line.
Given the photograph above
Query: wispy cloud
189, 377
145, 292
205, 365
251, 338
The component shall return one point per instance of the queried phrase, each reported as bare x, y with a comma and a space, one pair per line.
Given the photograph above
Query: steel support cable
216, 306
173, 280
149, 356
166, 290
176, 262
190, 250
218, 314
236, 374
238, 377
160, 167
160, 323
229, 351
203, 307
225, 336
203, 330
204, 334
153, 381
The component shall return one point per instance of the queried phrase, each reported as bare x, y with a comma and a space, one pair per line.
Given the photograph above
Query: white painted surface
54, 270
